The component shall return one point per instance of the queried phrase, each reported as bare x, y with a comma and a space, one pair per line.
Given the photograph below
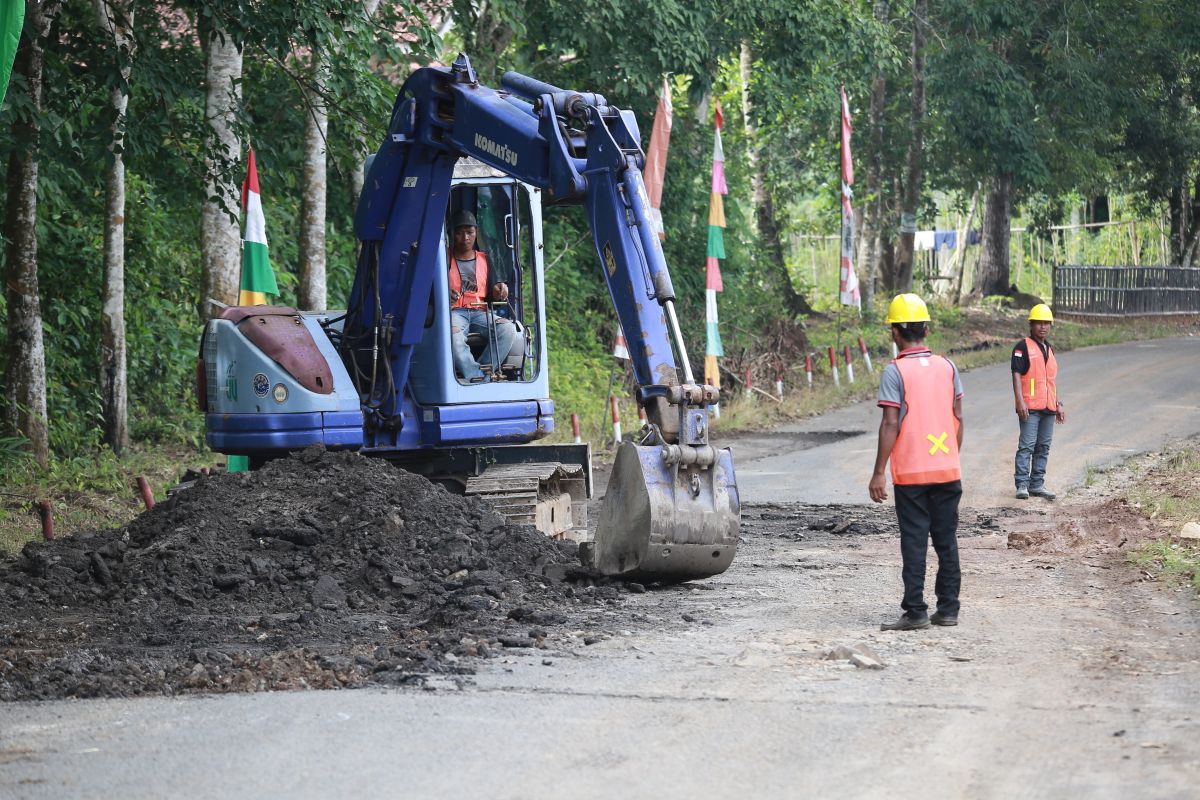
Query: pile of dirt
321, 570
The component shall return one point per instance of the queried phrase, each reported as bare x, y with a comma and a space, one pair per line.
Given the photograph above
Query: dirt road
1070, 676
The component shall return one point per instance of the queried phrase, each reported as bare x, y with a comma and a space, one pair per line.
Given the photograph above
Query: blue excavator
380, 377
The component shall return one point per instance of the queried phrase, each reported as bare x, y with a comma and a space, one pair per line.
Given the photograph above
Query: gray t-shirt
466, 271
891, 386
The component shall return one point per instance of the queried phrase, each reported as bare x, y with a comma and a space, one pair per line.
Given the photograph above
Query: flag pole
841, 237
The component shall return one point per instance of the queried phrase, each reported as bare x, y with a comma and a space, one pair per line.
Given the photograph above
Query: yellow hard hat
1041, 313
907, 308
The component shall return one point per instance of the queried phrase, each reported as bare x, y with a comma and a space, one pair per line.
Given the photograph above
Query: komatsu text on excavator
381, 377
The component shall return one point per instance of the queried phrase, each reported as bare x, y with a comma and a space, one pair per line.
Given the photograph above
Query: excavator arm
672, 508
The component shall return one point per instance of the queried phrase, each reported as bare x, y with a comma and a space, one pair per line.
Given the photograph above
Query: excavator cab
508, 217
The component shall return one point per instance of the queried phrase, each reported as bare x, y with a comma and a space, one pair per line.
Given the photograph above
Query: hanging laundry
946, 239
974, 237
923, 240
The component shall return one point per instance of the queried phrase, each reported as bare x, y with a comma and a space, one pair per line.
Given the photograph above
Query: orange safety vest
1038, 384
926, 450
469, 299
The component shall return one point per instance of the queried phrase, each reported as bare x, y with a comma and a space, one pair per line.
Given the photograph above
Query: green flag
12, 17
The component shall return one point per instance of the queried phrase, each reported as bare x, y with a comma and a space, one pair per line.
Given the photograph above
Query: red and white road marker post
575, 429
862, 348
833, 367
616, 419
147, 495
779, 385
849, 363
808, 369
43, 507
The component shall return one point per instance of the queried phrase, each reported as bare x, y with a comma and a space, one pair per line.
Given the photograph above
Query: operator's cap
462, 218
1041, 313
907, 308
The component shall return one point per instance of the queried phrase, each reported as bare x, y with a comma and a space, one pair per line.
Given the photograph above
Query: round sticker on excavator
261, 385
280, 393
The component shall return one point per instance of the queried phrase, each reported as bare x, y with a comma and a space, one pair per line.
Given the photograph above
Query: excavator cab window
504, 234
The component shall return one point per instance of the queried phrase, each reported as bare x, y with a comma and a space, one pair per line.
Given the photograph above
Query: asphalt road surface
1068, 676
1119, 400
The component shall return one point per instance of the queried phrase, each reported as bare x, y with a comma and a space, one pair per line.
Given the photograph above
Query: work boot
906, 623
937, 618
1042, 491
1022, 493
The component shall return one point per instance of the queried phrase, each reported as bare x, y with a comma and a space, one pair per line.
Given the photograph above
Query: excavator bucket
666, 520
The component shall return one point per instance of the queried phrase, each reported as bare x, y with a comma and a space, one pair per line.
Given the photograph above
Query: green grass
1170, 492
1176, 561
86, 492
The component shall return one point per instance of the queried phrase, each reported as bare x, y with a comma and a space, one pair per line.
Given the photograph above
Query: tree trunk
992, 276
1191, 227
358, 173
313, 193
872, 222
960, 255
115, 18
912, 183
25, 376
765, 223
220, 240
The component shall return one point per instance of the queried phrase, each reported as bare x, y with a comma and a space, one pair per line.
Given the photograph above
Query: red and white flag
656, 158
620, 348
848, 284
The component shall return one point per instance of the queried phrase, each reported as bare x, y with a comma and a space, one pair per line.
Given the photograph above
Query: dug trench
329, 570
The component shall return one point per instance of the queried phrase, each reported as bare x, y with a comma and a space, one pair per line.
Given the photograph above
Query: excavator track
551, 496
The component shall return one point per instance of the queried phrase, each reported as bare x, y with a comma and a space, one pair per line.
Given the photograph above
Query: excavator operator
469, 309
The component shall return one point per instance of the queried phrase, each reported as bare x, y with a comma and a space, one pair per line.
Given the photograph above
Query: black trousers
925, 512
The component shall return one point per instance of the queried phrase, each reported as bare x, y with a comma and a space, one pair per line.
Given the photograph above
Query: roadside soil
323, 570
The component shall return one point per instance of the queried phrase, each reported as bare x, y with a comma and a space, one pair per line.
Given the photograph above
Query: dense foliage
1075, 100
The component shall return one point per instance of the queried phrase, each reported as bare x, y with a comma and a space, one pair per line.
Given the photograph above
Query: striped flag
620, 347
716, 251
656, 157
848, 282
258, 279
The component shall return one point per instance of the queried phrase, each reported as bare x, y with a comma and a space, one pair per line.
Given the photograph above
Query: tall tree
314, 185
992, 273
1022, 105
1156, 90
765, 223
872, 225
115, 18
25, 376
916, 155
220, 241
361, 148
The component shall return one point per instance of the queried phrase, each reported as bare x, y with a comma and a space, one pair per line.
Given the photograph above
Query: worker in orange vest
921, 433
1035, 392
469, 312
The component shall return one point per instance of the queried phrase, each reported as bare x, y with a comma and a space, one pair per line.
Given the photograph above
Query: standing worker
1034, 372
921, 432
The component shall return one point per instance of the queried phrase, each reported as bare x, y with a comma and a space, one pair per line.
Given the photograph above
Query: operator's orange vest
469, 299
1037, 385
926, 450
